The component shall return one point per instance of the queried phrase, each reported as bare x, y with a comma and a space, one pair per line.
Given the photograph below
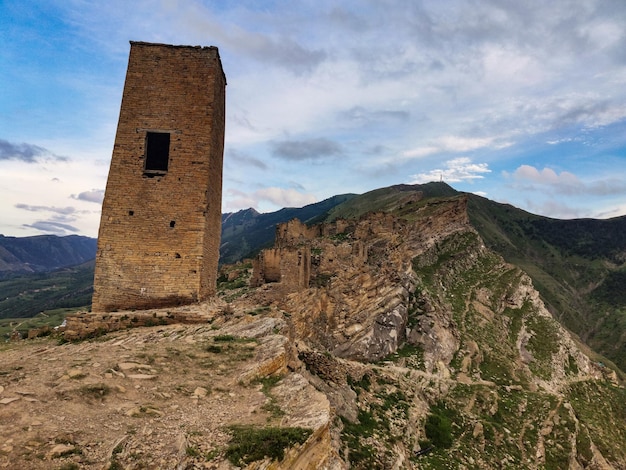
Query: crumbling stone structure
305, 255
159, 237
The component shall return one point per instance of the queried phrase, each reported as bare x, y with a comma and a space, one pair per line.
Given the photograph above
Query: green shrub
250, 443
438, 428
224, 338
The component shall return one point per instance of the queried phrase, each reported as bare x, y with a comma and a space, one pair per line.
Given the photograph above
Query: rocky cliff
392, 341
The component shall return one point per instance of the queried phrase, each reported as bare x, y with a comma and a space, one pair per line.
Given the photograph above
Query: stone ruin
305, 256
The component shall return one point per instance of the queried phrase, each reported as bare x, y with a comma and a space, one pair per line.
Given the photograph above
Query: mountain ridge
41, 253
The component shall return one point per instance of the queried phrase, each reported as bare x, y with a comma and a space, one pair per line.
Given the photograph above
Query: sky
521, 102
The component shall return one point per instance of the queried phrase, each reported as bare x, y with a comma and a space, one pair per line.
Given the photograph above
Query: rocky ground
152, 397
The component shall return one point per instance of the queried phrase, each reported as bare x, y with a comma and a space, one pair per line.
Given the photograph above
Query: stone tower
159, 237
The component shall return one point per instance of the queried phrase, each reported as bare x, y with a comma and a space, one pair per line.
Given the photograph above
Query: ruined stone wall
266, 267
294, 232
289, 266
159, 235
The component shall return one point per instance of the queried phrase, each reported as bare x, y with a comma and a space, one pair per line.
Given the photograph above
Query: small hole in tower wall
131, 212
177, 255
172, 223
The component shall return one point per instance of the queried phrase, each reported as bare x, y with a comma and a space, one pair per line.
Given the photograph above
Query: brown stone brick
159, 237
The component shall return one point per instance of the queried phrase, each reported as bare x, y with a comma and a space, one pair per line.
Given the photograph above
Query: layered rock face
409, 318
361, 274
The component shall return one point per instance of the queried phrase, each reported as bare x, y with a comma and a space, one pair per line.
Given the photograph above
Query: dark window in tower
157, 151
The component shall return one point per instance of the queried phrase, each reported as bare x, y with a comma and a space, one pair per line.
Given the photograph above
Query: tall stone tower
159, 237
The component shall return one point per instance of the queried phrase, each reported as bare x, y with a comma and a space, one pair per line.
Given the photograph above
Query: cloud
614, 211
530, 178
554, 209
236, 200
280, 48
95, 195
311, 149
280, 197
362, 116
453, 144
282, 51
24, 152
547, 176
58, 223
48, 226
58, 210
246, 160
285, 197
457, 170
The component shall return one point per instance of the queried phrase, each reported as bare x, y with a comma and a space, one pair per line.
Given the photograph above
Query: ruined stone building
159, 235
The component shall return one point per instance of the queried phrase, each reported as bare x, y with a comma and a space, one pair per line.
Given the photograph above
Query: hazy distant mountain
43, 253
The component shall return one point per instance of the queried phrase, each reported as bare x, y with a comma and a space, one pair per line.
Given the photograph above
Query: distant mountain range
43, 253
578, 266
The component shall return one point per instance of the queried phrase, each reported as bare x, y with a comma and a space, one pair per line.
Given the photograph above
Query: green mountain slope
387, 199
577, 266
25, 296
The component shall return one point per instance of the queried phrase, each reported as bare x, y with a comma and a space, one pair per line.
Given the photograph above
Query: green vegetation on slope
28, 295
50, 318
250, 443
574, 264
387, 199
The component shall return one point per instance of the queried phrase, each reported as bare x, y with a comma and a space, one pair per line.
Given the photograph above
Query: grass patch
224, 338
260, 310
268, 383
364, 383
250, 443
360, 454
237, 347
438, 427
192, 451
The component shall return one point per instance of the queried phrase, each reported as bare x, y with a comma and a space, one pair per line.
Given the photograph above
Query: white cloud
277, 197
285, 197
453, 144
95, 195
271, 198
555, 209
58, 210
455, 171
547, 176
530, 178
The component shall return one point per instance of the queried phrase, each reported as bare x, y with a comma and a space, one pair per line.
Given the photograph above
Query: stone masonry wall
159, 237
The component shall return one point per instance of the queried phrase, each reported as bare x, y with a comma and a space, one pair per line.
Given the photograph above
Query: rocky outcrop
361, 276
